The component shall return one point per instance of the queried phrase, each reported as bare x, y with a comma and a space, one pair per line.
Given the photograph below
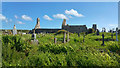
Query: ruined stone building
70, 28
74, 28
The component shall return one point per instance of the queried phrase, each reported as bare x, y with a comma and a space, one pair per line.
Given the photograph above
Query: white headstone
14, 30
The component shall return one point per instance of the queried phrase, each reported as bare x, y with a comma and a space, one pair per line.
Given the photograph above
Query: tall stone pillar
38, 24
64, 23
64, 41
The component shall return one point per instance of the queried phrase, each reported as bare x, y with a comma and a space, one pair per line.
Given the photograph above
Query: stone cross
64, 41
14, 30
55, 40
116, 34
68, 37
102, 39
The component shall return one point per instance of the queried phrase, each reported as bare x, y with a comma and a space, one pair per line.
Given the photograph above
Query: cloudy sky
51, 14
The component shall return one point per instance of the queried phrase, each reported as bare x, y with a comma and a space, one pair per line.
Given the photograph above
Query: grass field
19, 51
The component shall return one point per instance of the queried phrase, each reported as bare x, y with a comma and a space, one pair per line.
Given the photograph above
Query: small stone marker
68, 37
55, 40
14, 30
64, 41
102, 39
116, 34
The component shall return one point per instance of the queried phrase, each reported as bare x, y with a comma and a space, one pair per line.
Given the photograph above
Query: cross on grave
102, 39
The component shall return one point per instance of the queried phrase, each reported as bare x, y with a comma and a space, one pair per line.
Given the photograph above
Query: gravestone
116, 34
64, 41
55, 40
33, 39
14, 30
103, 29
68, 37
33, 35
97, 32
102, 39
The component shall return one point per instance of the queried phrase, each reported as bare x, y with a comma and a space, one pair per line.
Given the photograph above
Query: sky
24, 14
60, 0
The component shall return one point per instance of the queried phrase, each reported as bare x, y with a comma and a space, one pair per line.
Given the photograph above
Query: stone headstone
34, 40
103, 30
33, 35
14, 30
68, 37
64, 41
55, 40
102, 39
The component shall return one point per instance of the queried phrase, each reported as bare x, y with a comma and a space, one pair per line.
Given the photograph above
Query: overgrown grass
18, 51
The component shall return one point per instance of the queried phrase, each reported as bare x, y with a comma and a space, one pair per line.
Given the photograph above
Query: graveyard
54, 49
89, 47
60, 34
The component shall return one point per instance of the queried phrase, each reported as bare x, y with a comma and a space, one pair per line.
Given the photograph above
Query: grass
21, 52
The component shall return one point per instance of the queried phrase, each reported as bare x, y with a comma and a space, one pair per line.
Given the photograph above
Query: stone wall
75, 28
45, 30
